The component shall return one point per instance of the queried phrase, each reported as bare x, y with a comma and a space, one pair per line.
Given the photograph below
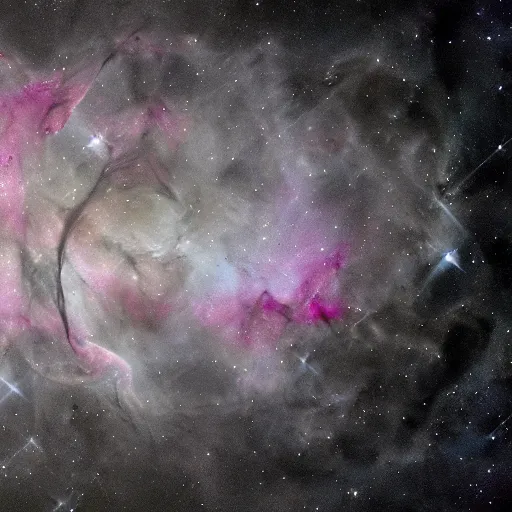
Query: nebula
254, 256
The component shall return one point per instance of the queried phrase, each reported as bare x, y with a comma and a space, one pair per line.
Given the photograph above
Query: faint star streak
305, 366
63, 505
449, 214
366, 315
478, 167
491, 435
12, 389
31, 441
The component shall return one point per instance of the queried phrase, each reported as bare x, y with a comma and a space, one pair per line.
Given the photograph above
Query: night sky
255, 256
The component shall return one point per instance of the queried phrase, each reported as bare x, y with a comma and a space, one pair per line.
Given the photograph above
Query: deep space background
255, 255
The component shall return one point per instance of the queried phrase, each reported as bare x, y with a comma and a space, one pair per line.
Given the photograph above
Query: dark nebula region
255, 255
